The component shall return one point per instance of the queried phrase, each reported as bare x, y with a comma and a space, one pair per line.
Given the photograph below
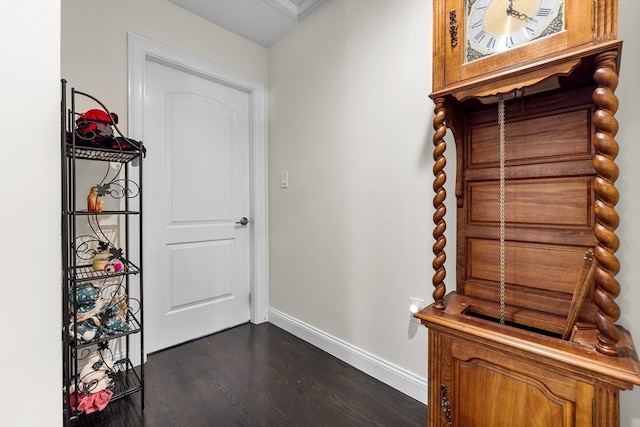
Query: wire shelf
101, 154
84, 273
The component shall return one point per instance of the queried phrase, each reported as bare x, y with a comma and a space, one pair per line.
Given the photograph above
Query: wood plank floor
258, 375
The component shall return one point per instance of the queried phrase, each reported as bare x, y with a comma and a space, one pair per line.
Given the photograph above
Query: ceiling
261, 21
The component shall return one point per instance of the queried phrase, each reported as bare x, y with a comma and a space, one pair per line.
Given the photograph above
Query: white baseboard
398, 378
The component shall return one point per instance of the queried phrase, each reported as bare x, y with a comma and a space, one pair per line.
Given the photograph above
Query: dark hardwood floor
258, 375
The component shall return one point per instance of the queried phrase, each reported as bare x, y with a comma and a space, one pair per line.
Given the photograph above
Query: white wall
30, 295
350, 120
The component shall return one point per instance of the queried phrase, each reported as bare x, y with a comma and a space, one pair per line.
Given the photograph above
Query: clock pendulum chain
502, 204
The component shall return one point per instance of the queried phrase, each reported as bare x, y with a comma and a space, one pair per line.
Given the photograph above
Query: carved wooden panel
571, 199
564, 134
529, 400
475, 383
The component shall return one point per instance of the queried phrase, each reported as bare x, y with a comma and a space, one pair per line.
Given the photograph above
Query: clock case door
450, 67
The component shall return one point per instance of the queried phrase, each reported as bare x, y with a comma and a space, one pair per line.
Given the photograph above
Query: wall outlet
415, 305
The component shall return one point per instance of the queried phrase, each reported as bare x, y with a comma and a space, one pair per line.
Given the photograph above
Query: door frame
140, 50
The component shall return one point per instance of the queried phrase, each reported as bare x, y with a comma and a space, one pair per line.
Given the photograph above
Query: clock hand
511, 11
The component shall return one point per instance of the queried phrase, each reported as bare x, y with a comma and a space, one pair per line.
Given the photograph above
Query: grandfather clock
529, 336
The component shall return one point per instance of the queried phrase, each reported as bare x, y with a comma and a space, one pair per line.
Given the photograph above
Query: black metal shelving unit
100, 317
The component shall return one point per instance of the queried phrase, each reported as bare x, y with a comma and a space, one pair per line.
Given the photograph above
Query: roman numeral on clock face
543, 12
478, 37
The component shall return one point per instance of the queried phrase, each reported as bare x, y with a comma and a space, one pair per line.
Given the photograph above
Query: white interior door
196, 189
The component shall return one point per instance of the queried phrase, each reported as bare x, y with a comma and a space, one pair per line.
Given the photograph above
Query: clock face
494, 26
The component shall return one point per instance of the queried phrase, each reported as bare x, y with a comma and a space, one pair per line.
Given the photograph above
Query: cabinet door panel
489, 396
489, 387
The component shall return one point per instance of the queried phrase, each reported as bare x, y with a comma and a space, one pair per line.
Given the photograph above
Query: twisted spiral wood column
439, 125
607, 287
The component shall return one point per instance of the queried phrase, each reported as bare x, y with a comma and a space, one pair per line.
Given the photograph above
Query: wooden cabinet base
485, 374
